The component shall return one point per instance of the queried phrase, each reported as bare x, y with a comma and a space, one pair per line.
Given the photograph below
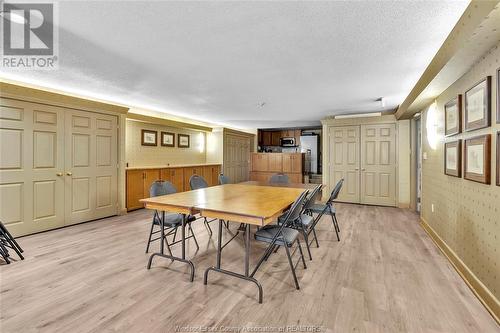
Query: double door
365, 156
58, 166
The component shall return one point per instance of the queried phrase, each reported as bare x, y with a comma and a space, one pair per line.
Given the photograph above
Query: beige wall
466, 214
215, 146
137, 155
403, 163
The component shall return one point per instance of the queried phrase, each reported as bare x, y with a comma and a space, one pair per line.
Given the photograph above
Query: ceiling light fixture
13, 17
382, 101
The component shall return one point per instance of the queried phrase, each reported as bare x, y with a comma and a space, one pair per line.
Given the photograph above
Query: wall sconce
431, 126
201, 142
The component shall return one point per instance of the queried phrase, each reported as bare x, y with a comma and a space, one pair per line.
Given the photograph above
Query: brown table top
292, 185
246, 203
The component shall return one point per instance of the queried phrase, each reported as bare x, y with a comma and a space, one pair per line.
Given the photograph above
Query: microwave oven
287, 142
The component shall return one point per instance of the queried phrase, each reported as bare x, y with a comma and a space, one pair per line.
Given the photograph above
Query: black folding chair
283, 235
171, 221
196, 182
6, 242
328, 208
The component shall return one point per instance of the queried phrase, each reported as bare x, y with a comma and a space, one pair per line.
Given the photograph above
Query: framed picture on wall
148, 138
453, 158
498, 95
167, 139
183, 140
453, 116
478, 105
498, 158
477, 160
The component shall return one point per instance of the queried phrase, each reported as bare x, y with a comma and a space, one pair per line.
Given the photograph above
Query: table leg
171, 257
162, 232
247, 249
219, 244
217, 268
183, 234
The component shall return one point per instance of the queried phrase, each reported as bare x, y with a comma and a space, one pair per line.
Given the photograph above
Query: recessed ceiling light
13, 17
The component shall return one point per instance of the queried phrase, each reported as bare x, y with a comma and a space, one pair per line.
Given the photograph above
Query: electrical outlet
432, 208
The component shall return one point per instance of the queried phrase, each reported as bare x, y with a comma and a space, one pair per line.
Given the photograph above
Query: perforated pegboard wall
466, 214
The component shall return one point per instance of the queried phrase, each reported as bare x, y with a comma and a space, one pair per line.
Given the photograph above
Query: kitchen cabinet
266, 138
275, 138
175, 176
264, 165
288, 134
138, 184
275, 162
260, 162
292, 163
296, 135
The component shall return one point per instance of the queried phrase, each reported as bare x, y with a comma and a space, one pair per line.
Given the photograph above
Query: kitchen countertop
171, 166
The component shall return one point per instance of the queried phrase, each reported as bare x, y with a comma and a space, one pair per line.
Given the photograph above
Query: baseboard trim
490, 302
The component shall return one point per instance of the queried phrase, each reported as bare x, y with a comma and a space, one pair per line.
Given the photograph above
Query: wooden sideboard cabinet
138, 184
138, 181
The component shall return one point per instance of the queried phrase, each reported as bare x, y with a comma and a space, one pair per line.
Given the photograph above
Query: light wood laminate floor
385, 275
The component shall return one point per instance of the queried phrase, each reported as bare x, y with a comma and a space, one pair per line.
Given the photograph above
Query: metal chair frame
170, 229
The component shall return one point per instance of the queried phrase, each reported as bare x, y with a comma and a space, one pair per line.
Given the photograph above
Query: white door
91, 166
31, 166
344, 161
378, 164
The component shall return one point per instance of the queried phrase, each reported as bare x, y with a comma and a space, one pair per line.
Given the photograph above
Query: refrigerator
310, 144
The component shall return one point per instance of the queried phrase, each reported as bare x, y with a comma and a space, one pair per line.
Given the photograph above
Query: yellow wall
466, 214
137, 155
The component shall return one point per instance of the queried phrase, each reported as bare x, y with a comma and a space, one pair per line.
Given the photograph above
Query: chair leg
194, 237
207, 225
315, 236
292, 266
336, 231
149, 239
301, 254
167, 244
306, 238
269, 254
336, 222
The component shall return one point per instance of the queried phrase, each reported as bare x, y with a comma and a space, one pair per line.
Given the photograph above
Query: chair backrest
313, 197
279, 178
160, 187
223, 179
294, 212
336, 190
197, 182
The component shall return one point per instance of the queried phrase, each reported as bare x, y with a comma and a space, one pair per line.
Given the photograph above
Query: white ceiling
217, 61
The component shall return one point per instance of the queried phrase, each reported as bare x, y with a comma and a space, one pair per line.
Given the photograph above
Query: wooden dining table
243, 203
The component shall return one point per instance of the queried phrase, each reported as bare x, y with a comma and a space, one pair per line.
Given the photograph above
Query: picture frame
498, 95
477, 159
167, 139
149, 138
453, 116
498, 158
477, 105
453, 158
183, 140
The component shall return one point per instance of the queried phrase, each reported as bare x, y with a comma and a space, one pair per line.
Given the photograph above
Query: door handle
59, 174
363, 169
356, 169
69, 173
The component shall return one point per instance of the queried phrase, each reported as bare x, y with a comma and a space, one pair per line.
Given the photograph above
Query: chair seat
318, 208
173, 219
267, 233
305, 220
